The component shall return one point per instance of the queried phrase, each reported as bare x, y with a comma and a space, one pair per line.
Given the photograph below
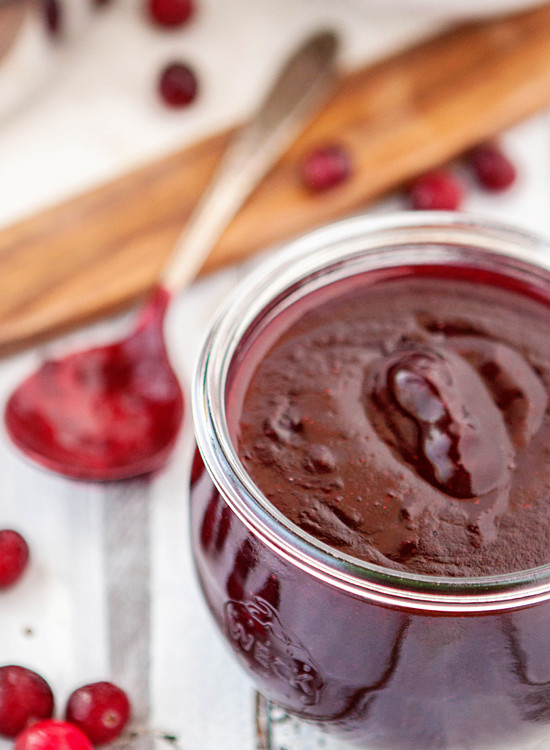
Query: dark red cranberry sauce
404, 420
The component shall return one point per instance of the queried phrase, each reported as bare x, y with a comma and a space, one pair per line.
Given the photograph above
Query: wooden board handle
103, 250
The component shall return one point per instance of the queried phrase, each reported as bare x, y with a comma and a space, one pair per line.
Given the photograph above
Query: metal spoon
114, 412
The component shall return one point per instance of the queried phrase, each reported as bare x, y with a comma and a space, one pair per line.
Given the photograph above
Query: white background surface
98, 116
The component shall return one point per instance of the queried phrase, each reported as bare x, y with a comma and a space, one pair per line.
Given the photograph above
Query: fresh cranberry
170, 13
493, 169
14, 556
52, 16
25, 697
325, 167
438, 190
178, 85
100, 710
52, 735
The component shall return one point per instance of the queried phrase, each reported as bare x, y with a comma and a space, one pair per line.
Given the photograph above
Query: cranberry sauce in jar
372, 533
405, 422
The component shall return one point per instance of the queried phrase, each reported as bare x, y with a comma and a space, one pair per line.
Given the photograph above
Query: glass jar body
386, 677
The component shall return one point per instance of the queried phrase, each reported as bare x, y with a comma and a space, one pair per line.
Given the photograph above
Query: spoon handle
299, 89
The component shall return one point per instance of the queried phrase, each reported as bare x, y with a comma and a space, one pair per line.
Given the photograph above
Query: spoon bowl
110, 412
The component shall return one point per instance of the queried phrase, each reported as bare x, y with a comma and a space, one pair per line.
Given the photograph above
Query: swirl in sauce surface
405, 423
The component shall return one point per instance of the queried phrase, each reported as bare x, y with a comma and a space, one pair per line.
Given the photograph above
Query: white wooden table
110, 592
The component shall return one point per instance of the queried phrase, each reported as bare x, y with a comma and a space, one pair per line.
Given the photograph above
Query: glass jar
389, 659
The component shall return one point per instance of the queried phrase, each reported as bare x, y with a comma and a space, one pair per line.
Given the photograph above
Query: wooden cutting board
103, 250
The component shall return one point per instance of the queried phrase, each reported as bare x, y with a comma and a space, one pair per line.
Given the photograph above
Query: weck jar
384, 657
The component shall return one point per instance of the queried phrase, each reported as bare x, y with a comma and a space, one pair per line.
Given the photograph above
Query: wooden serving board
103, 250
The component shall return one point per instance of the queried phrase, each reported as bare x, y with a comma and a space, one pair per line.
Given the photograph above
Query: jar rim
358, 239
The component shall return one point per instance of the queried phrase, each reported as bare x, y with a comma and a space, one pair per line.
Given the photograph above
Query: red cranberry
492, 167
52, 735
52, 16
14, 556
325, 167
178, 85
170, 13
438, 190
25, 697
100, 710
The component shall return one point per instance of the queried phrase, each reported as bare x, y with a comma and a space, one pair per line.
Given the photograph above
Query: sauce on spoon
103, 413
